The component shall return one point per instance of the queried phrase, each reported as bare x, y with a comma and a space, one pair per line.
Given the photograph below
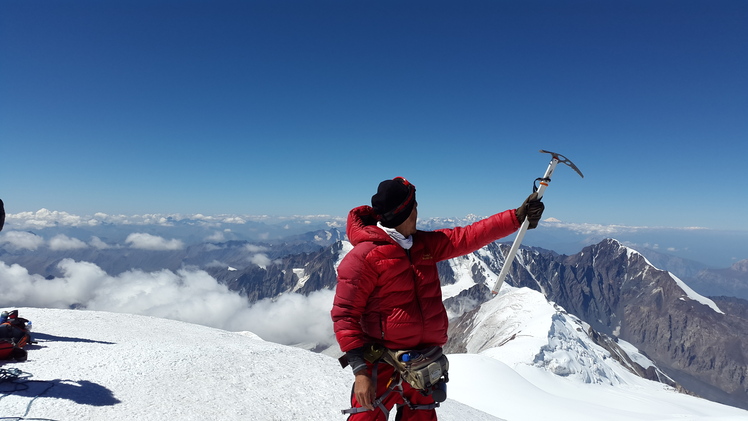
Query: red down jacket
389, 296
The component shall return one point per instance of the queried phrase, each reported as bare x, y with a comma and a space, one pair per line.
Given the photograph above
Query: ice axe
544, 181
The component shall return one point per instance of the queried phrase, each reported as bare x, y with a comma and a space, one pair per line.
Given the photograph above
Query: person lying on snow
388, 300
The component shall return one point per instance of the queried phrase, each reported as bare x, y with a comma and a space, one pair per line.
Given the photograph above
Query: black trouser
9, 332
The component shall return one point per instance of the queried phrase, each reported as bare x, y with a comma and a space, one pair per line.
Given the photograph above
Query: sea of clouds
187, 294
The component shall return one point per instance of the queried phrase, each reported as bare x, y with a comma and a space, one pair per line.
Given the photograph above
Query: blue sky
298, 107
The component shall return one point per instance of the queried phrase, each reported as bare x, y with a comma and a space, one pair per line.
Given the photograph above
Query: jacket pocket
371, 324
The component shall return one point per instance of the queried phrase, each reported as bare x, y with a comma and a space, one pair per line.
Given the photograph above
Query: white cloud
23, 289
145, 241
261, 260
607, 230
97, 242
216, 237
188, 295
213, 247
63, 242
290, 319
591, 229
336, 224
253, 248
192, 296
45, 218
258, 258
216, 264
648, 245
21, 240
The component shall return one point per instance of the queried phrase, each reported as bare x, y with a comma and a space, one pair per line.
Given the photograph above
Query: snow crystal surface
89, 365
535, 362
694, 295
463, 268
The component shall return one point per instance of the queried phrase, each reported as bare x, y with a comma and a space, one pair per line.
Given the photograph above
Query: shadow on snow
52, 338
82, 392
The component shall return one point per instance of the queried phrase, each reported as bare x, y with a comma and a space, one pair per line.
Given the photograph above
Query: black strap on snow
10, 374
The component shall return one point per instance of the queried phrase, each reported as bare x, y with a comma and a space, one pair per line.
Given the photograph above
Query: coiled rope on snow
20, 382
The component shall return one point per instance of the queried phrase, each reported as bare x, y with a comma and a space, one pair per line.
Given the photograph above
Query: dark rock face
620, 294
618, 354
460, 328
468, 300
735, 307
281, 275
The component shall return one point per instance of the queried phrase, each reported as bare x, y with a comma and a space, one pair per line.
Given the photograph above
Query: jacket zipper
415, 287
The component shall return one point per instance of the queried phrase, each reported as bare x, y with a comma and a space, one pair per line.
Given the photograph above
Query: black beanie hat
394, 201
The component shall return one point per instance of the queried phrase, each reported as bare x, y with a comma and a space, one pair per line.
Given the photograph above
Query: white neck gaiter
404, 242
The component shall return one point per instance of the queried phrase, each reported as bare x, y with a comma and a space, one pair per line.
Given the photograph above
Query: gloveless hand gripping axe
544, 181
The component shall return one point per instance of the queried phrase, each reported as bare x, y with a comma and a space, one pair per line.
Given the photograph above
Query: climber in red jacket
389, 294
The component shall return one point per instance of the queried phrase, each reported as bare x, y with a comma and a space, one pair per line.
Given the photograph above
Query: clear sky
290, 107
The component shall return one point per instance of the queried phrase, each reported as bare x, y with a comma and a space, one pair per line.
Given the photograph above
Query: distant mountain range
712, 248
615, 293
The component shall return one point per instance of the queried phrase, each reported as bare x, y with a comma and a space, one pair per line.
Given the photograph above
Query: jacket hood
362, 226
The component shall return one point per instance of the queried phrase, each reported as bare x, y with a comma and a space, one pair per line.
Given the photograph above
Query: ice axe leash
544, 181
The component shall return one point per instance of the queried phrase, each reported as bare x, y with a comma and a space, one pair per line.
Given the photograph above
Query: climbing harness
424, 370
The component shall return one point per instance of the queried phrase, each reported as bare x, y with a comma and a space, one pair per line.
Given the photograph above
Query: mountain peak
740, 266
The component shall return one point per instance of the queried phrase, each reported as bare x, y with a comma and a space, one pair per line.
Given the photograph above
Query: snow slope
549, 369
115, 367
91, 365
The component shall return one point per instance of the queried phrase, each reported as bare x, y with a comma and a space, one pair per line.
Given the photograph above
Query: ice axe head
564, 160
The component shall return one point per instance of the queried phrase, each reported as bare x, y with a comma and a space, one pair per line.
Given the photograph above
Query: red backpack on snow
14, 336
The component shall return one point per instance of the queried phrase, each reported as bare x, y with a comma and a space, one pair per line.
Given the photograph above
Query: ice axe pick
544, 181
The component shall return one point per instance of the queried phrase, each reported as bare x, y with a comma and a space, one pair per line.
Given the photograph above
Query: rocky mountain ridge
621, 295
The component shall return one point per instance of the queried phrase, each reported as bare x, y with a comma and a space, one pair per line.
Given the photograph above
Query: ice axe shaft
556, 158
